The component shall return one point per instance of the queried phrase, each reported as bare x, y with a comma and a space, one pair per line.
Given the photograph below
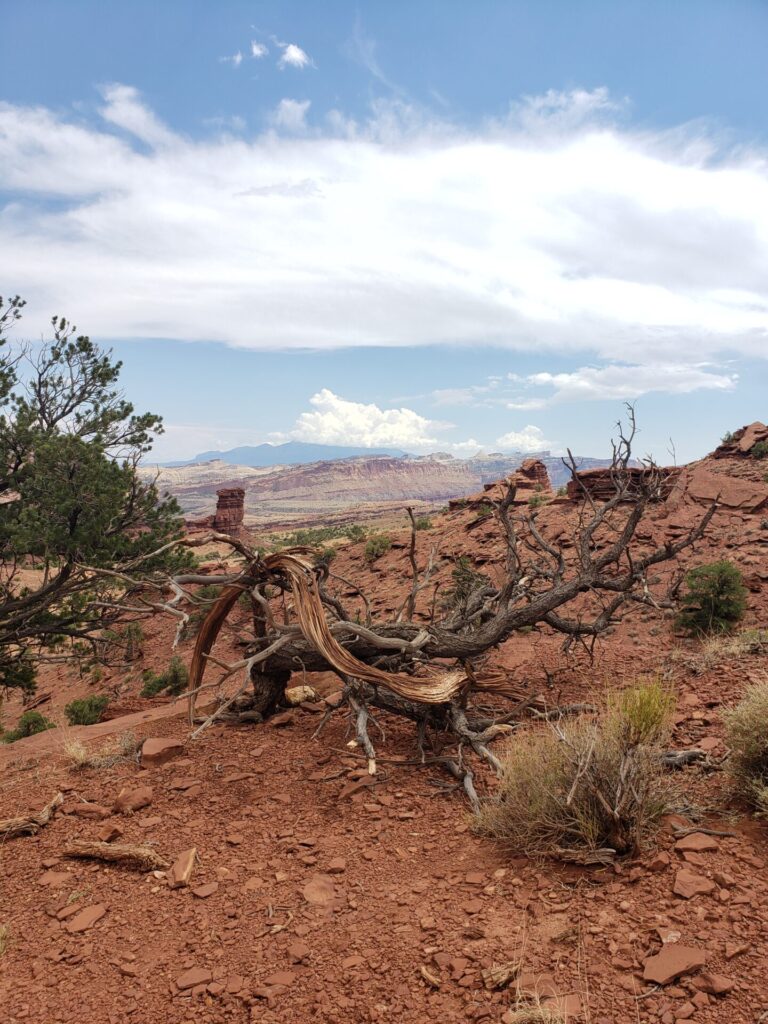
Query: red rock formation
741, 443
531, 478
230, 509
599, 485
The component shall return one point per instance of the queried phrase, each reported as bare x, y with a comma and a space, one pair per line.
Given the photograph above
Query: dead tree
428, 673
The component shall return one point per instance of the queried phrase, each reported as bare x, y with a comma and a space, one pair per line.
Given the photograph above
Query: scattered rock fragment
130, 800
714, 984
672, 961
689, 884
155, 752
204, 891
193, 977
698, 842
86, 919
320, 891
181, 870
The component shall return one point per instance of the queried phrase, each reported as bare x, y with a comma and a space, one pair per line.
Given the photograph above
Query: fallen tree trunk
30, 824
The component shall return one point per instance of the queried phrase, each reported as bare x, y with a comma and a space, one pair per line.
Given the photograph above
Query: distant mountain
292, 453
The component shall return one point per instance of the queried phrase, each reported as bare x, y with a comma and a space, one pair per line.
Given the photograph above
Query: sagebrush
746, 733
586, 785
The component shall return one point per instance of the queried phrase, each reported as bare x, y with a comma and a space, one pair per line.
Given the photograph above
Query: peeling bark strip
30, 824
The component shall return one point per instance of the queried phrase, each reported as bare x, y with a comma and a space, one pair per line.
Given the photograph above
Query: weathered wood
142, 857
30, 824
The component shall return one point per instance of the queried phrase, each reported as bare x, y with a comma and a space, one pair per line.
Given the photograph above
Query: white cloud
291, 115
529, 439
590, 383
334, 420
123, 108
294, 57
640, 248
235, 60
258, 50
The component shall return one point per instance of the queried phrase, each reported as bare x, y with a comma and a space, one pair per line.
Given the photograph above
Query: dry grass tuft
534, 1015
5, 939
747, 738
120, 748
588, 787
721, 648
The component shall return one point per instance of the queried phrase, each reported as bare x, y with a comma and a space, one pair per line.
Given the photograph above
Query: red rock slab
193, 977
55, 878
86, 919
320, 891
204, 891
714, 984
130, 800
697, 842
155, 752
671, 962
689, 884
181, 870
732, 492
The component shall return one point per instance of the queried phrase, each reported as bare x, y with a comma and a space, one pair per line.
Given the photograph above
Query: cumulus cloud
529, 439
291, 115
334, 420
294, 57
258, 50
639, 248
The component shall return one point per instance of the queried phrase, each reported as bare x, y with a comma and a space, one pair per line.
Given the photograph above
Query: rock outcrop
741, 442
599, 485
230, 510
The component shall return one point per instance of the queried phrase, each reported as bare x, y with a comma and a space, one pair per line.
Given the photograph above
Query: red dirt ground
326, 900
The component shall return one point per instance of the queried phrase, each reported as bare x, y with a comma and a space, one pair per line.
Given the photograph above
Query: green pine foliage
30, 723
70, 445
715, 598
173, 681
86, 711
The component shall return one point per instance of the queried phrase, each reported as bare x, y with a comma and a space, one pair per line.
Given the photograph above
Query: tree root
30, 824
142, 857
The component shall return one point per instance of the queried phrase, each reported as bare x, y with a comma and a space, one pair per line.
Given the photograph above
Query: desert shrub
586, 785
760, 450
536, 501
747, 738
206, 595
325, 556
172, 681
466, 580
87, 711
715, 599
562, 491
5, 938
377, 545
30, 723
727, 437
423, 523
315, 536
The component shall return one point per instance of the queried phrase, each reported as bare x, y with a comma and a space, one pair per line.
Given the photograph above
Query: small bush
562, 491
760, 450
727, 437
18, 674
87, 711
423, 523
377, 545
172, 681
536, 501
30, 723
466, 580
716, 598
587, 785
747, 738
325, 556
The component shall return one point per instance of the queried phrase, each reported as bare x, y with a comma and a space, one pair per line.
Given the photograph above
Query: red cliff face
230, 509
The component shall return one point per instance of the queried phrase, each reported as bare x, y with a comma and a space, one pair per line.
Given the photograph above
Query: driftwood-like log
30, 824
142, 857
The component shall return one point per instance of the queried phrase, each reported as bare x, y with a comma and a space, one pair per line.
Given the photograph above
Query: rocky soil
318, 893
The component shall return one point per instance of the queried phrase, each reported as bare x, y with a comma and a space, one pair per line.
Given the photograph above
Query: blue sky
430, 225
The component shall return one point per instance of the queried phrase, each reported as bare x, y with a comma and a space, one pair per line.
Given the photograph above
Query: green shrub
587, 786
466, 580
537, 500
377, 545
562, 491
87, 711
716, 598
760, 450
173, 681
727, 437
18, 674
747, 738
423, 523
325, 556
30, 723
